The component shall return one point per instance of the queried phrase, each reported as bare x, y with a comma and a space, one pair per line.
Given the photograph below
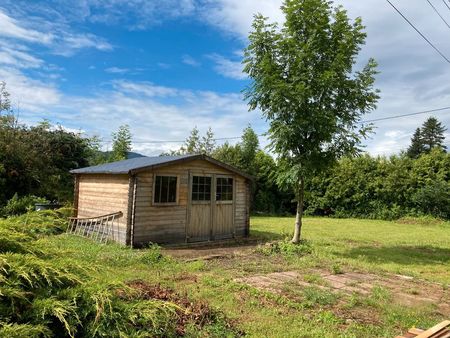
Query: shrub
433, 199
41, 223
20, 205
44, 294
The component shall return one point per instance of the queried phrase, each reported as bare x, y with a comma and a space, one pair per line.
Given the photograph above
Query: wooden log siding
241, 206
167, 223
104, 194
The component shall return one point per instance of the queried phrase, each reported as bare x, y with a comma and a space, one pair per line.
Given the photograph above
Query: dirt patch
199, 313
209, 253
404, 290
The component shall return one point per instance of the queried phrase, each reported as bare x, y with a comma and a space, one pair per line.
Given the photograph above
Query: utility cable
437, 12
419, 32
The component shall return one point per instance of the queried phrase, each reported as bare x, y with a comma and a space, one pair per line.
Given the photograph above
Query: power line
420, 33
405, 115
446, 4
437, 12
239, 137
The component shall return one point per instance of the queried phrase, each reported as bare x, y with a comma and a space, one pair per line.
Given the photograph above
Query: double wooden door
211, 207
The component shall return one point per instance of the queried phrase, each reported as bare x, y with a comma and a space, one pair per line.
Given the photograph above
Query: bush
434, 199
384, 188
40, 223
20, 205
44, 294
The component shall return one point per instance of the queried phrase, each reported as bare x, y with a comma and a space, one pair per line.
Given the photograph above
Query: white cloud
236, 16
30, 95
18, 58
189, 60
413, 77
116, 70
11, 28
228, 68
145, 88
55, 35
153, 112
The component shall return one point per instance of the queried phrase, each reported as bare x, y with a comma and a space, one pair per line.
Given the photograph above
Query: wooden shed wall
167, 224
105, 194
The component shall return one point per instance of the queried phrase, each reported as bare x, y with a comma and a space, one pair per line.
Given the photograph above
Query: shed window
201, 188
224, 189
165, 189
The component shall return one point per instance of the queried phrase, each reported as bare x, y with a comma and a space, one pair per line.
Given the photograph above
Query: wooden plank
415, 331
435, 329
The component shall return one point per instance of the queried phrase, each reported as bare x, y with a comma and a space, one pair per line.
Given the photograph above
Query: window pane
172, 189
224, 189
201, 188
157, 192
165, 189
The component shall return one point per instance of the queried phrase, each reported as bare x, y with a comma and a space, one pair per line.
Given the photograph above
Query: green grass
371, 245
337, 245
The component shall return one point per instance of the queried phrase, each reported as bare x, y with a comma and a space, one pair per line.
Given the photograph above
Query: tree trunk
299, 215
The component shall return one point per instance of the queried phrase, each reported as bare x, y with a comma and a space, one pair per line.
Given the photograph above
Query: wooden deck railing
99, 228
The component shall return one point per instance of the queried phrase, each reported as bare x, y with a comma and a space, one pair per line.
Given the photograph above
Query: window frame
191, 188
162, 204
208, 201
233, 187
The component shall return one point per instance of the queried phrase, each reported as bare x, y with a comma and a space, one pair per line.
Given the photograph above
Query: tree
121, 143
192, 145
208, 143
432, 134
5, 103
249, 147
196, 144
416, 148
304, 83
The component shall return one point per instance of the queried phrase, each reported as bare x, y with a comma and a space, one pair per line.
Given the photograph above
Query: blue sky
164, 67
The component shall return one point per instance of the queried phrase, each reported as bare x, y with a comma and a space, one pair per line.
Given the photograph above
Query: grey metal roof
137, 164
126, 166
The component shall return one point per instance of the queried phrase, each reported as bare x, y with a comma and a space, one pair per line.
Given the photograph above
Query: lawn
332, 247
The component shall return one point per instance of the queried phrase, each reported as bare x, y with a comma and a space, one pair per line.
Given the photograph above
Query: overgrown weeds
285, 248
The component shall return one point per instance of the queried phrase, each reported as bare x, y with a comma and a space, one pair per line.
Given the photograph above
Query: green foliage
121, 143
5, 102
36, 160
429, 136
152, 255
434, 199
14, 330
432, 134
303, 81
314, 296
247, 156
416, 148
43, 293
36, 224
20, 205
384, 188
196, 144
285, 248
